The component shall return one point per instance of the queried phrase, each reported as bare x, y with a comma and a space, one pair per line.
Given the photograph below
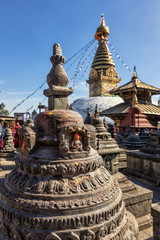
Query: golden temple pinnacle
102, 31
103, 76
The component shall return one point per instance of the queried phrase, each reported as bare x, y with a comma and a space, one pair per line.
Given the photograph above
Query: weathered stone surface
156, 220
146, 162
60, 189
137, 199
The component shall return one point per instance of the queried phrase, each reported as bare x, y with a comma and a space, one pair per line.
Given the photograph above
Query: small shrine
60, 189
135, 93
135, 120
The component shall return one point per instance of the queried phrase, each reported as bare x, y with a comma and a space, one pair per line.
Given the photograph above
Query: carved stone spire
57, 80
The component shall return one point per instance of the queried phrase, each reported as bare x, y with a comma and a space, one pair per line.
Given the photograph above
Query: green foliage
2, 110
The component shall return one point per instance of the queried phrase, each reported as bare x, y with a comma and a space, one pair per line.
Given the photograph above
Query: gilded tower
103, 76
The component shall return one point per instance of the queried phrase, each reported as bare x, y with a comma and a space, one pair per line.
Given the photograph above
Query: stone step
144, 222
3, 173
2, 163
6, 165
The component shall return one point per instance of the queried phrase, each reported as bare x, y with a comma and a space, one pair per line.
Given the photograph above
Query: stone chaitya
107, 147
113, 156
60, 189
7, 154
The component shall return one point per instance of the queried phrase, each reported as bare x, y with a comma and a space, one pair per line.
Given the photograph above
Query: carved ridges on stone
101, 231
60, 203
61, 167
105, 220
63, 187
116, 213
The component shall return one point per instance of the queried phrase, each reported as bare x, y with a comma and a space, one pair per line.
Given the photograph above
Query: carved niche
74, 142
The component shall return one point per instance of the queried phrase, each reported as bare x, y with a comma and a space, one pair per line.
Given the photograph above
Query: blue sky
29, 28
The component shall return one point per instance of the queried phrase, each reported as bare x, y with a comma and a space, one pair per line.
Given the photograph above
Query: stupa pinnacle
103, 76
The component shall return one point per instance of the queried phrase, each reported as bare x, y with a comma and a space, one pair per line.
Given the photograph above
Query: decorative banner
124, 64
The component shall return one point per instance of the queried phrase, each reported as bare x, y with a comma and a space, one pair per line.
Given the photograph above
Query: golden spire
135, 77
102, 31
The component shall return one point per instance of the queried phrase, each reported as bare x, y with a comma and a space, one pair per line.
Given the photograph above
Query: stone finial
96, 112
88, 118
57, 80
105, 124
57, 75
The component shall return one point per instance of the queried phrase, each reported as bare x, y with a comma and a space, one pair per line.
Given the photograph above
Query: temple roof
122, 108
136, 83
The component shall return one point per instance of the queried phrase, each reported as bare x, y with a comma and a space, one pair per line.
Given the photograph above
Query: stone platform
137, 200
147, 234
144, 165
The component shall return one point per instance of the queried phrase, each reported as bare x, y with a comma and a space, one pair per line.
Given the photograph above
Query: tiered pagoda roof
134, 93
135, 82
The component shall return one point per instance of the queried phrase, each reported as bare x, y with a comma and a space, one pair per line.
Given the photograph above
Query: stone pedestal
156, 220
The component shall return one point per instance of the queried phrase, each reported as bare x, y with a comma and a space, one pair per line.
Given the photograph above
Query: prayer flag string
117, 55
25, 99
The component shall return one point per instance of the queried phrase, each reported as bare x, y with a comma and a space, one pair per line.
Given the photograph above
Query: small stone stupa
7, 154
107, 147
60, 189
